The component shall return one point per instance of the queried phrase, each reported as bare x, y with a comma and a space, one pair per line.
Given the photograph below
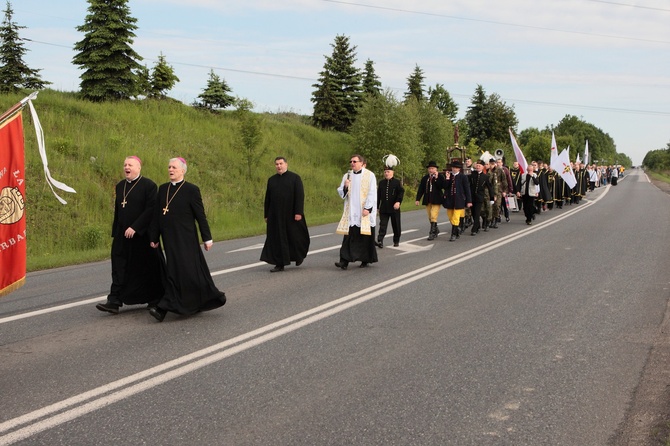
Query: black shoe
396, 244
341, 265
364, 265
158, 313
108, 307
379, 245
299, 262
277, 269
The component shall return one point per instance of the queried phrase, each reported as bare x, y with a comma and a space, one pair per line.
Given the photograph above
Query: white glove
491, 202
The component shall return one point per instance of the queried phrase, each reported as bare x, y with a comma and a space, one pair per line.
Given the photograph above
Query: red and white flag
12, 205
523, 164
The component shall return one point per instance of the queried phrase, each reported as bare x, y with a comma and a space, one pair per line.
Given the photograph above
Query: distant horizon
600, 61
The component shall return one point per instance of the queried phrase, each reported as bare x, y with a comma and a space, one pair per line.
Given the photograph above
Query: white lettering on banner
6, 244
16, 176
3, 171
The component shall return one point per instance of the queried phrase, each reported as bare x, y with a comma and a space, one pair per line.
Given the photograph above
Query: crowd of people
177, 279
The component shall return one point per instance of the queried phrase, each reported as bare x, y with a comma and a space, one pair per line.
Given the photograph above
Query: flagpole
16, 107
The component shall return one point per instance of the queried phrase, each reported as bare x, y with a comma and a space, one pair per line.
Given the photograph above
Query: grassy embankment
87, 143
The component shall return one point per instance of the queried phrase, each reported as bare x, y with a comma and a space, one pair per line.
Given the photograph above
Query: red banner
12, 205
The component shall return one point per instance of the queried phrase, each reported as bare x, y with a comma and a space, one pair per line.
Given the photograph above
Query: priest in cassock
189, 287
136, 267
287, 235
359, 191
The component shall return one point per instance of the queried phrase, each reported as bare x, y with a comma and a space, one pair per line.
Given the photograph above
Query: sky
605, 62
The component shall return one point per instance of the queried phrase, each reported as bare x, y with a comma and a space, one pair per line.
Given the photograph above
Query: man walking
390, 193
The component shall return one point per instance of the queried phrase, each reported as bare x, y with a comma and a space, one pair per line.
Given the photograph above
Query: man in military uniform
389, 198
480, 189
499, 183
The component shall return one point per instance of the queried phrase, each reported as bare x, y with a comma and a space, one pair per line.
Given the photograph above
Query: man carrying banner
136, 266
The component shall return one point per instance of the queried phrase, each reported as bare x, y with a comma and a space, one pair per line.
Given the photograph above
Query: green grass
661, 176
88, 142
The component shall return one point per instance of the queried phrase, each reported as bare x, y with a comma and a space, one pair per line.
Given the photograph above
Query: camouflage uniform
499, 183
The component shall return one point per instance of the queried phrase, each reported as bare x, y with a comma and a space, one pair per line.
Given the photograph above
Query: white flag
586, 153
554, 150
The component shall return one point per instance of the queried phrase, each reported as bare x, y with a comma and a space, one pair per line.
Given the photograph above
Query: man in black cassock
287, 235
136, 267
189, 287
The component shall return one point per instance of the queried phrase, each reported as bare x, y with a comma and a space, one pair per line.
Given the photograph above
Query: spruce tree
371, 84
415, 85
162, 78
14, 73
338, 92
215, 95
105, 54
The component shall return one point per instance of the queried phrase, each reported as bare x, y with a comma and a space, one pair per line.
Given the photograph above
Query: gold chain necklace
169, 200
125, 195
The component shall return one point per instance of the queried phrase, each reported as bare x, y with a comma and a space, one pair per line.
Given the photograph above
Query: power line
630, 6
493, 22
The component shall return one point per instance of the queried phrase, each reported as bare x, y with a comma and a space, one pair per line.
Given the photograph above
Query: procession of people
157, 259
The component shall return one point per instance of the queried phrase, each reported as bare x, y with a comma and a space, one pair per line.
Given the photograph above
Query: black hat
492, 160
388, 168
457, 163
481, 162
431, 164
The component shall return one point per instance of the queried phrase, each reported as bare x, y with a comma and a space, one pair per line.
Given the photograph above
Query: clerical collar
356, 173
174, 183
130, 181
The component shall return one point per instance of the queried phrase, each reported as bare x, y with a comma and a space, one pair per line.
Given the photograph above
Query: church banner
12, 205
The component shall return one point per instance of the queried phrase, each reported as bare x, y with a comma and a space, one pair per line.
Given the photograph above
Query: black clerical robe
189, 287
287, 240
136, 267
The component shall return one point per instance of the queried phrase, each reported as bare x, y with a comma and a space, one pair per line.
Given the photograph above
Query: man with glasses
358, 189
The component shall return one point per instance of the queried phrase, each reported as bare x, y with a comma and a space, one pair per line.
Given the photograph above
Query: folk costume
431, 193
136, 267
389, 192
456, 198
287, 240
358, 243
189, 287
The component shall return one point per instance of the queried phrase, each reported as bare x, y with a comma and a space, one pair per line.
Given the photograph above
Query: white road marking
112, 392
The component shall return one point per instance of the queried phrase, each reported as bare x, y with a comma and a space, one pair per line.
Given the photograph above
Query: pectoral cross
123, 203
165, 210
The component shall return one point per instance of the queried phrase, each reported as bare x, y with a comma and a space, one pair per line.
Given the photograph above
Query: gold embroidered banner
12, 205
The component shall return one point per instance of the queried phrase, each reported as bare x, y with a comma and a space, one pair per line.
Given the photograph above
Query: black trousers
395, 224
476, 216
528, 207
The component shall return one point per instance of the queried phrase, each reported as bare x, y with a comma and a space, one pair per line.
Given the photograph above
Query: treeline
658, 160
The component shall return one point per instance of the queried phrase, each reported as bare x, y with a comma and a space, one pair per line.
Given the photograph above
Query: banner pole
17, 107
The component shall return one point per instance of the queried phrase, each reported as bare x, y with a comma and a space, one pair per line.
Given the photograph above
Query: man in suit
389, 198
456, 197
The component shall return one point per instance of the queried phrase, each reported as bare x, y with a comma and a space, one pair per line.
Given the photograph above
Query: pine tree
105, 54
215, 95
371, 84
338, 92
162, 78
475, 117
415, 84
14, 73
488, 119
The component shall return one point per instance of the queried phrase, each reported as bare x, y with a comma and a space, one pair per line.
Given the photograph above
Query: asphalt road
525, 335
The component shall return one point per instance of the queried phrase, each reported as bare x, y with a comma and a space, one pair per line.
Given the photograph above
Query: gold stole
343, 226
